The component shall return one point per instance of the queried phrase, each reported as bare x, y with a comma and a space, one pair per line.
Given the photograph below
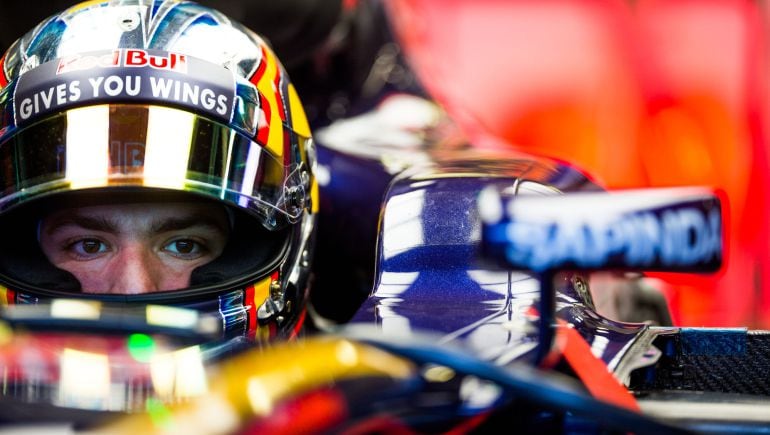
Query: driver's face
134, 248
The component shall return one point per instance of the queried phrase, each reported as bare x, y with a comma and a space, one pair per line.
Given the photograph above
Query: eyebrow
175, 224
87, 222
162, 225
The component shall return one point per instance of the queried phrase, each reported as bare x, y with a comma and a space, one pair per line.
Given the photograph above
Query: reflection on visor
150, 146
97, 362
98, 373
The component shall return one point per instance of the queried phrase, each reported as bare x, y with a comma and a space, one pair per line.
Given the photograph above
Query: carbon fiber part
709, 360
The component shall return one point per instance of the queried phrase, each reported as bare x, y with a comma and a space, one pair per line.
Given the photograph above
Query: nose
135, 271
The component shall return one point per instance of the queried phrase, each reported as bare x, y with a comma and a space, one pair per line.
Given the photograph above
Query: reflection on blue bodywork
431, 278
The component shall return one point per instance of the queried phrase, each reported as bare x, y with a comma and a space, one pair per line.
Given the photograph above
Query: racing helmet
151, 101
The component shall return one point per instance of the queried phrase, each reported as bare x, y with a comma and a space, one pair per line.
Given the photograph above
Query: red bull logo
80, 62
128, 57
169, 61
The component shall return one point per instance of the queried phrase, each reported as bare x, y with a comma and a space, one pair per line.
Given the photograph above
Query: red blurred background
636, 93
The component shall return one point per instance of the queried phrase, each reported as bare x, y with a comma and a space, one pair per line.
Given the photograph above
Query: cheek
52, 251
142, 274
93, 278
174, 281
173, 275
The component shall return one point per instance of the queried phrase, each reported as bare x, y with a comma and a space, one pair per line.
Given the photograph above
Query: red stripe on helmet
287, 157
260, 69
263, 128
3, 77
251, 307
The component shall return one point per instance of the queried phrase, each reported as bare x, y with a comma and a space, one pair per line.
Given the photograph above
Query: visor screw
128, 22
275, 290
296, 198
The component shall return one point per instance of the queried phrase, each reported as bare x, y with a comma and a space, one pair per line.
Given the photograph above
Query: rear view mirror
669, 230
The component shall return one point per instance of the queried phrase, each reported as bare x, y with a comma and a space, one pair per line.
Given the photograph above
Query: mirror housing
668, 230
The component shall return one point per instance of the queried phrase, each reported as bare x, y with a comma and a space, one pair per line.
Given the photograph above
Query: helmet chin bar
278, 304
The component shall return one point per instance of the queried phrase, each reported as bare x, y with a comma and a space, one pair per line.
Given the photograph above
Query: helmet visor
147, 146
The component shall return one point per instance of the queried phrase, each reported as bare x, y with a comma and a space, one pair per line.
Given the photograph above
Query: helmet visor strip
148, 146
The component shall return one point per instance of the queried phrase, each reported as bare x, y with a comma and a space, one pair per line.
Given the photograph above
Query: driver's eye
89, 246
184, 246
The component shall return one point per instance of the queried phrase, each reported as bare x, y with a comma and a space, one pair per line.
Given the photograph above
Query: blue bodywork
428, 276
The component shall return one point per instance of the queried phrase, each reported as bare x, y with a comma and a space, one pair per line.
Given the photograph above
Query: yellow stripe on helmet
298, 118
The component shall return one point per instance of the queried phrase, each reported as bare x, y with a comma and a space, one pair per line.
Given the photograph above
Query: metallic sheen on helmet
155, 100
